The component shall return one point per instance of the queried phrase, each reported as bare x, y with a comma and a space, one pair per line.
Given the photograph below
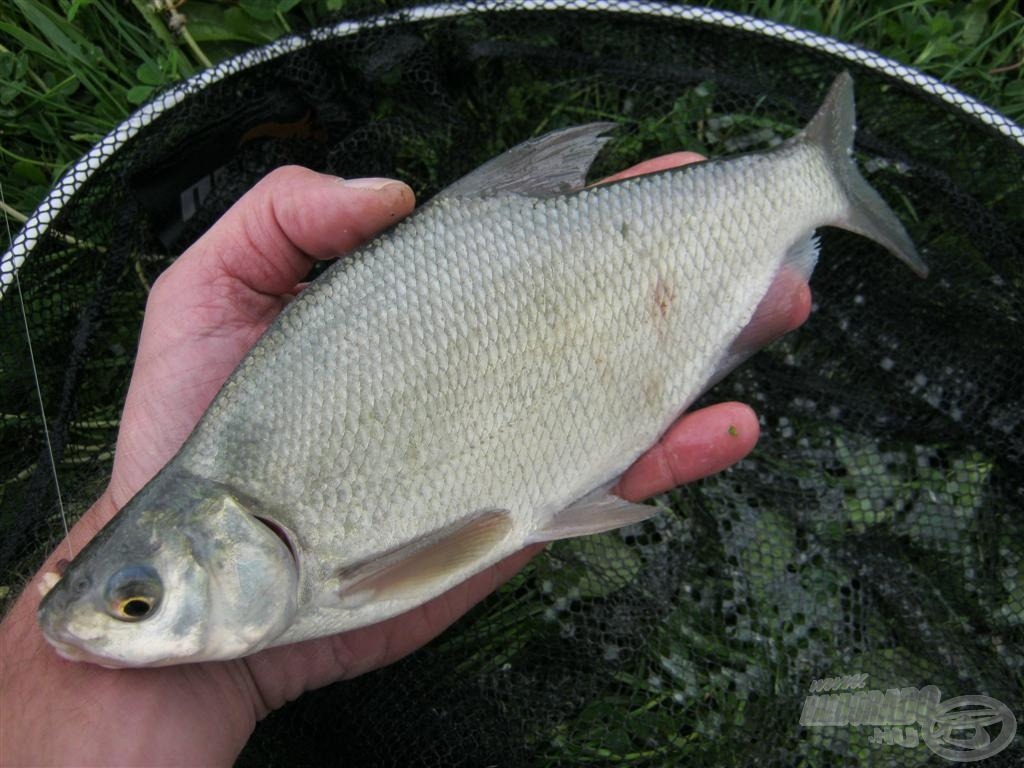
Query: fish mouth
67, 650
67, 644
64, 643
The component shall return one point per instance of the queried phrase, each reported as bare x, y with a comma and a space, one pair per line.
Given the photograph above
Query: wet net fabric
877, 529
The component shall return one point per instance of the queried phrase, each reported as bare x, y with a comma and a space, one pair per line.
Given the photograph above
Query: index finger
655, 164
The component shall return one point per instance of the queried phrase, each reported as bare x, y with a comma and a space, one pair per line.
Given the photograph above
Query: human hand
204, 313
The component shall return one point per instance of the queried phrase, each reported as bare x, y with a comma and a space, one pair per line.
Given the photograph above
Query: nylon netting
877, 528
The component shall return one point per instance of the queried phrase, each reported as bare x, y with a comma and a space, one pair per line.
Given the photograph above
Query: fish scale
473, 380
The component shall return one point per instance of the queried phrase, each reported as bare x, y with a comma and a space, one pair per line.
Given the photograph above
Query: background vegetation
72, 69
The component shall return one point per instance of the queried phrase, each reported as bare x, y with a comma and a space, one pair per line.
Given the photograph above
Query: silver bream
474, 380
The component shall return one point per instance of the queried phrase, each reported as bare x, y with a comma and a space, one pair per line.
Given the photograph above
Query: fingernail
374, 185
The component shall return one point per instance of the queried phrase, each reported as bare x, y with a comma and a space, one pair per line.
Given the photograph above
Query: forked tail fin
832, 128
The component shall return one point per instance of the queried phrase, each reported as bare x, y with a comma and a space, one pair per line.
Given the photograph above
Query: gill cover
252, 580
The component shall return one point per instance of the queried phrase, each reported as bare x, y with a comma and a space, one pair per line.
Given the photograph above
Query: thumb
271, 237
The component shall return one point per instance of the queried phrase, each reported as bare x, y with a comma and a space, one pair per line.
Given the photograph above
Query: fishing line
39, 389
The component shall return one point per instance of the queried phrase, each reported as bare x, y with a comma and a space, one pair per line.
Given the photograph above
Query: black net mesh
876, 529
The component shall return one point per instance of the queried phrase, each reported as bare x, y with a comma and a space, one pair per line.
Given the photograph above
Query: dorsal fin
552, 164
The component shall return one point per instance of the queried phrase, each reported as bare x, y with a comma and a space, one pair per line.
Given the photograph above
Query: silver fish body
472, 381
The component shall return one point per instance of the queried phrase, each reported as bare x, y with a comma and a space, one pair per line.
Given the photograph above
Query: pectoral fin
596, 512
411, 570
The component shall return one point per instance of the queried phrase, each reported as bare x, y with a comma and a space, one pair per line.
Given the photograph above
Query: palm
171, 389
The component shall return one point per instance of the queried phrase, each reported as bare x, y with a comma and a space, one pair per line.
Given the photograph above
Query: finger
672, 160
784, 308
270, 238
699, 444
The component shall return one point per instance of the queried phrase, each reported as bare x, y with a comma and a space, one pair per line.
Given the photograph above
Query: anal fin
596, 512
411, 570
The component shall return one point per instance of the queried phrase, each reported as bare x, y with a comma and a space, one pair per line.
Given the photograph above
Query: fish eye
133, 593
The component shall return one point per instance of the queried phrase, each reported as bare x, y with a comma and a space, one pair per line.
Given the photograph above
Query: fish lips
68, 645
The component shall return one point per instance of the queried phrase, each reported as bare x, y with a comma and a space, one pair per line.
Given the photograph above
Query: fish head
184, 574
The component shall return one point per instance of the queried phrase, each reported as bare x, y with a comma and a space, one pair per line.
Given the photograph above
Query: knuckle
286, 176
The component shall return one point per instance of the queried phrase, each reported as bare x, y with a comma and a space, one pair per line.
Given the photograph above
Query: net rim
79, 173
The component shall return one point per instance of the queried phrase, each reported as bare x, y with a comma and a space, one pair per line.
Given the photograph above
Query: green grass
72, 69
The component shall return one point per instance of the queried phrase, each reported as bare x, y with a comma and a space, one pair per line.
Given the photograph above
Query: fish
470, 382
